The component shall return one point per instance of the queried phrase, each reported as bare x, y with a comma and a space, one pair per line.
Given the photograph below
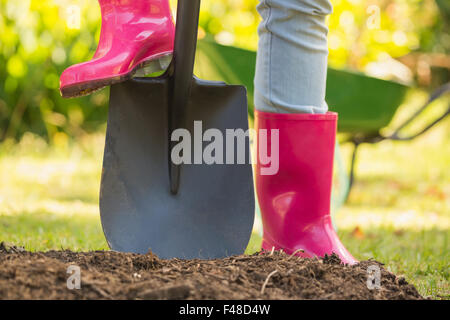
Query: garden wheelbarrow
360, 137
197, 209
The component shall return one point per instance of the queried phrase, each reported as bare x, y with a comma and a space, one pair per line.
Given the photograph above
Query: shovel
199, 209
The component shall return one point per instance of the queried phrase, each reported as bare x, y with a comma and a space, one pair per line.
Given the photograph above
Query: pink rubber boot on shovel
136, 36
295, 202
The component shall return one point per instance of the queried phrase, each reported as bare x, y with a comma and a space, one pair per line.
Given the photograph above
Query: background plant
40, 38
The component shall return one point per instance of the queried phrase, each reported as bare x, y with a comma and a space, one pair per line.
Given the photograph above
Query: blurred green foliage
37, 41
40, 38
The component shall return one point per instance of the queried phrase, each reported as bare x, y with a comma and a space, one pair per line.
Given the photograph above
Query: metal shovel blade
212, 214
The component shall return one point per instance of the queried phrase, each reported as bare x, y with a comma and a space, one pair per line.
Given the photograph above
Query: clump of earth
266, 275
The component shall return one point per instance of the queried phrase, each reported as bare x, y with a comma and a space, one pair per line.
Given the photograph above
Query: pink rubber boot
295, 202
136, 35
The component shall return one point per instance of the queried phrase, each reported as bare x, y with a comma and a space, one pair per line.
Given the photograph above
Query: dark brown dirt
113, 275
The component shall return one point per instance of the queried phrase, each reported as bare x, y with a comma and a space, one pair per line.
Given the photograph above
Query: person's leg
292, 56
290, 97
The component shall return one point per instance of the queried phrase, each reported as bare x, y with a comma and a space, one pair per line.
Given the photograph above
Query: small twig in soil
295, 252
273, 250
267, 280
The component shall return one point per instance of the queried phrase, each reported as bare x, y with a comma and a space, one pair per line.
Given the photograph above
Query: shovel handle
185, 42
182, 75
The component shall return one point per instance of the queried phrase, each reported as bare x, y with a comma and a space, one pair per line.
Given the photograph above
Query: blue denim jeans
291, 64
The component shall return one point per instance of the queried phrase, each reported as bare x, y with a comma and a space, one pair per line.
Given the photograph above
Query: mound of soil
113, 275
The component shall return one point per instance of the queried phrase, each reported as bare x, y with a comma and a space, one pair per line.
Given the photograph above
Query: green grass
49, 195
398, 212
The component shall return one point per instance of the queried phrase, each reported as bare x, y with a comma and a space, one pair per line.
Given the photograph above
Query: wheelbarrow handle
181, 75
434, 96
396, 134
